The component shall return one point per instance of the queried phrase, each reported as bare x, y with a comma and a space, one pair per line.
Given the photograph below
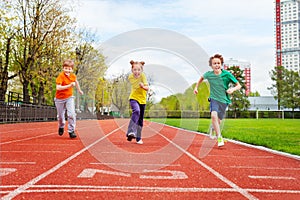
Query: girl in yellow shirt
137, 99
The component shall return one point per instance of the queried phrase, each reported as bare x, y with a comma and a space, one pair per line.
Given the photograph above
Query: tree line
35, 37
285, 87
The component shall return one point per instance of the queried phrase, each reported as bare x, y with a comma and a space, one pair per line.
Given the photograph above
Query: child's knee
214, 115
71, 115
136, 112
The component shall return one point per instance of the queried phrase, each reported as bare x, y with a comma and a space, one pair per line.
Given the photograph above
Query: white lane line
30, 151
272, 177
269, 168
214, 172
30, 138
95, 188
138, 164
6, 171
35, 144
17, 163
117, 152
89, 173
233, 156
33, 181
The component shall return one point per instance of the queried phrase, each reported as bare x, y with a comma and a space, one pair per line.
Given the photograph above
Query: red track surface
36, 163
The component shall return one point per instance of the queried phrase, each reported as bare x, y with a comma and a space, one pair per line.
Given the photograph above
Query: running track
36, 163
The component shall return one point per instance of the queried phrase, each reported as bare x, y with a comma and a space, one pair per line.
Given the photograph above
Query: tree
254, 94
45, 34
290, 90
7, 34
89, 63
120, 92
239, 99
188, 100
277, 87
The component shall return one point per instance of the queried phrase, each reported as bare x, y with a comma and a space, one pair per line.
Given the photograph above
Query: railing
18, 112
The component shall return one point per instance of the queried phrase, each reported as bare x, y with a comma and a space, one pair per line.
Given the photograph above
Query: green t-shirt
219, 84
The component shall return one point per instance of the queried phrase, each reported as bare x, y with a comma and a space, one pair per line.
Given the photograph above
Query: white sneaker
220, 142
140, 142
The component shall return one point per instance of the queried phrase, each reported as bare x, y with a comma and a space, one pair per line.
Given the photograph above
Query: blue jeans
136, 122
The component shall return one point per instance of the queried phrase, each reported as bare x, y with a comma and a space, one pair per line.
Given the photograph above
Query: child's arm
78, 88
197, 85
145, 87
60, 87
235, 88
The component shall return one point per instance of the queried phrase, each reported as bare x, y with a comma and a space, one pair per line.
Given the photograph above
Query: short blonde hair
68, 63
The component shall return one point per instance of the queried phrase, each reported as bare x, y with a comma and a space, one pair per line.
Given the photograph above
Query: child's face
137, 70
67, 70
216, 64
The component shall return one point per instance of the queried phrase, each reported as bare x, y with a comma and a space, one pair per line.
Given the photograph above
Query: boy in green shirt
219, 81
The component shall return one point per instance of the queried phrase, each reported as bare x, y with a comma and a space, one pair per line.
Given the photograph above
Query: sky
238, 29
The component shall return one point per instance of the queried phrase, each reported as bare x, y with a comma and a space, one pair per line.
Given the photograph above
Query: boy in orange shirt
64, 101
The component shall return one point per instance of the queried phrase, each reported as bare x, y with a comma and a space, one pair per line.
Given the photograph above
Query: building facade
287, 22
244, 65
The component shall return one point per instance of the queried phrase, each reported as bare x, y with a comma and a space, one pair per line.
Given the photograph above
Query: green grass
277, 134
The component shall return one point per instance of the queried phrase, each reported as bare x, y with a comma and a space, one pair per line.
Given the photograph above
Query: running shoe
130, 136
140, 141
61, 131
72, 134
220, 142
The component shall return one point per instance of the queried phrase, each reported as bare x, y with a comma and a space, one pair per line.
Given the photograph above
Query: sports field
37, 163
277, 134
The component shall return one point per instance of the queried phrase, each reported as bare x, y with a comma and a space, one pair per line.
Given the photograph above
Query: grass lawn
277, 134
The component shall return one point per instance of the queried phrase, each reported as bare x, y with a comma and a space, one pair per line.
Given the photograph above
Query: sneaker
220, 142
130, 136
72, 134
61, 131
140, 141
212, 133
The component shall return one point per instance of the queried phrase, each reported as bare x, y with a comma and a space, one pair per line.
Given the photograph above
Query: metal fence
19, 112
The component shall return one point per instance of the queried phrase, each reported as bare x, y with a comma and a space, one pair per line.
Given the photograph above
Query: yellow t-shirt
138, 93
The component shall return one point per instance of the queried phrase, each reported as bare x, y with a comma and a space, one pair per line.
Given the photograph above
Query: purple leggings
136, 123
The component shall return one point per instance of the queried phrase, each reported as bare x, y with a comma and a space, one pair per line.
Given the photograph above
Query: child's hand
230, 91
195, 91
73, 84
80, 92
141, 85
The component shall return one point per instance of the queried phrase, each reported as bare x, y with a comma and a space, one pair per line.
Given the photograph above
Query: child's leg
71, 114
61, 110
132, 127
140, 122
216, 122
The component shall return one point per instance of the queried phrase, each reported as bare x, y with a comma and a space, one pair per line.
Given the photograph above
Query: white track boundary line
241, 143
264, 168
20, 140
95, 188
33, 181
273, 177
214, 172
17, 163
24, 139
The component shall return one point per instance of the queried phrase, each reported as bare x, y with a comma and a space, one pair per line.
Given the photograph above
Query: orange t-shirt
63, 80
